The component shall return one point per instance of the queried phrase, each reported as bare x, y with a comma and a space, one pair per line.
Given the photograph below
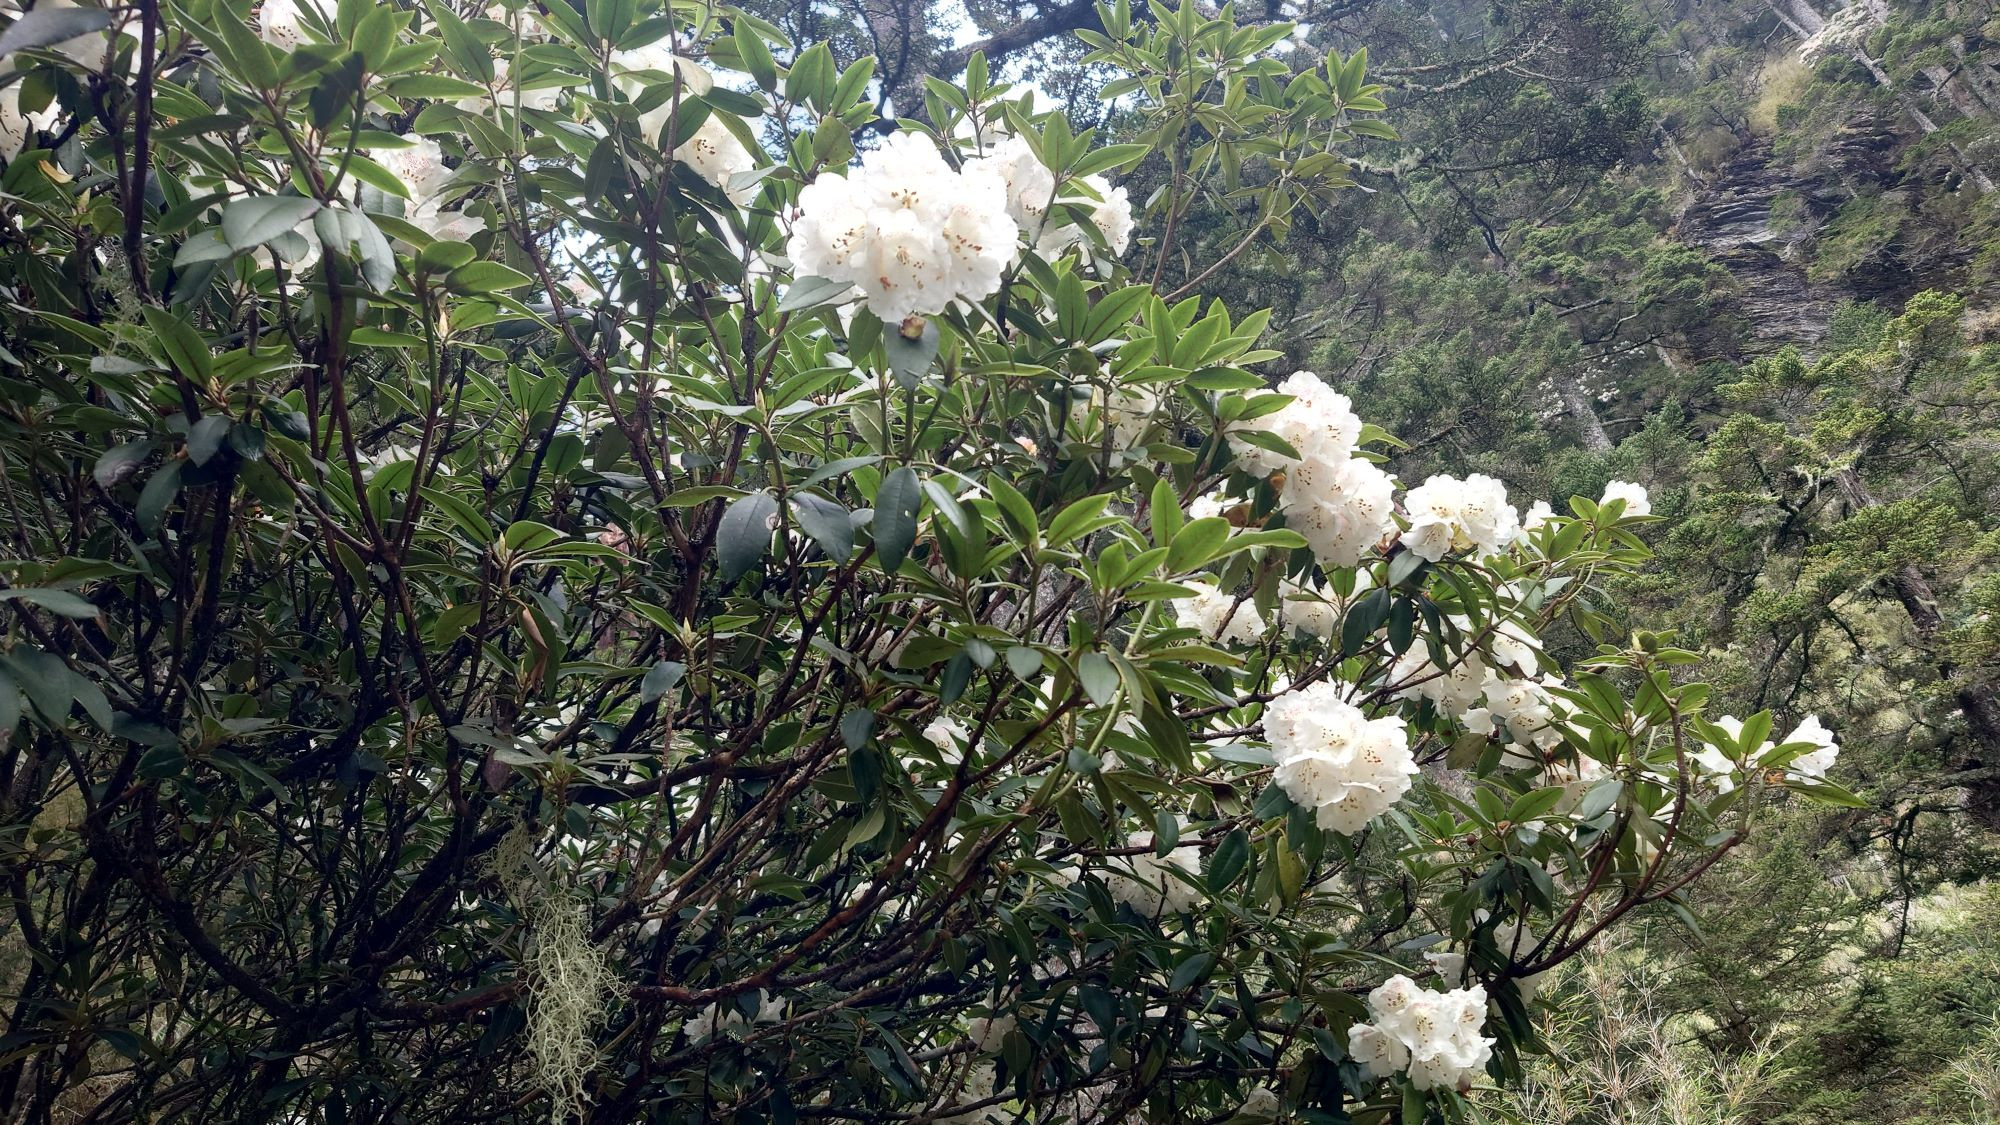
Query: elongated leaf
1231, 857
1098, 676
826, 522
120, 462
249, 223
206, 438
65, 603
895, 526
811, 292
48, 24
744, 535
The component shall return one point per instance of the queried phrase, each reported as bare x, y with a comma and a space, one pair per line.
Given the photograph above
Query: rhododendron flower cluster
1814, 763
1336, 760
420, 166
1031, 193
1147, 882
718, 156
1340, 503
1219, 616
1448, 514
1811, 765
1524, 705
910, 232
1433, 1035
1637, 503
1454, 689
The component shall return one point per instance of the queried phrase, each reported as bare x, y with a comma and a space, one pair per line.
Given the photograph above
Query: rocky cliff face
1733, 219
1763, 215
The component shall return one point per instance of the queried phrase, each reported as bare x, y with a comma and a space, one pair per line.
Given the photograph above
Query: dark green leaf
744, 534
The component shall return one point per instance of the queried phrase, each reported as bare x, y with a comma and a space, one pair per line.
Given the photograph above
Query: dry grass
1780, 82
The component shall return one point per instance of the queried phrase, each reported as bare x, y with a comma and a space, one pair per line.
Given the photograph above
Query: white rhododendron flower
1448, 514
1262, 1101
1319, 422
1454, 691
1524, 705
1433, 1035
1209, 505
1341, 504
1307, 609
420, 166
1220, 616
1714, 761
989, 1032
1515, 941
722, 1018
949, 736
1815, 763
718, 156
913, 234
1110, 213
16, 127
1336, 760
281, 23
503, 92
630, 71
1031, 192
1636, 501
1538, 516
1147, 882
1031, 187
1512, 646
1128, 412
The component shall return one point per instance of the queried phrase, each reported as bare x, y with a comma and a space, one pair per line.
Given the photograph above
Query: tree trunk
1590, 427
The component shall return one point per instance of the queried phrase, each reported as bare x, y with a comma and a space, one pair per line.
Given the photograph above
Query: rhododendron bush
561, 568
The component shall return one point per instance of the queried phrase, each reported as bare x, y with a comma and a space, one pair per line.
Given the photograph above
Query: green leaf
46, 25
1231, 857
826, 522
1362, 620
1404, 566
1826, 793
1190, 971
895, 524
158, 493
1072, 520
205, 439
811, 291
63, 603
437, 86
756, 56
1014, 509
660, 679
856, 728
910, 356
1023, 661
744, 534
523, 536
249, 223
486, 277
1099, 678
120, 462
1599, 799
186, 350
1196, 543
